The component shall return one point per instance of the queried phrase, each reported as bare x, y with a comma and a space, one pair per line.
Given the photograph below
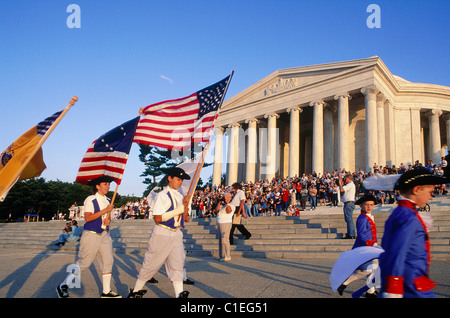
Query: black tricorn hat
367, 197
418, 176
99, 180
178, 172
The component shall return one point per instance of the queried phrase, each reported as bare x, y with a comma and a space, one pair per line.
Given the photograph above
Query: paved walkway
34, 274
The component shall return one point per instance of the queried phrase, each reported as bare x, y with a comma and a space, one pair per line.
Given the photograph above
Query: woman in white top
224, 223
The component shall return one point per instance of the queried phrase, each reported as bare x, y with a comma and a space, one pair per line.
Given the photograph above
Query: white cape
385, 182
349, 261
190, 167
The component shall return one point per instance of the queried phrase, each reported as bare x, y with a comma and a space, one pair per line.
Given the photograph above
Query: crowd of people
287, 195
293, 195
138, 209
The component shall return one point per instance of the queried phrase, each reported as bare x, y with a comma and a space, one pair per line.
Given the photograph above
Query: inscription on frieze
281, 85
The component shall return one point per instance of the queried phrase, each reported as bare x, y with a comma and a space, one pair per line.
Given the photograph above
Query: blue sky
129, 54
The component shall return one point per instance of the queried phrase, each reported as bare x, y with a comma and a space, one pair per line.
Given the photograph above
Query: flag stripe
104, 161
169, 103
166, 145
103, 167
163, 138
188, 106
84, 178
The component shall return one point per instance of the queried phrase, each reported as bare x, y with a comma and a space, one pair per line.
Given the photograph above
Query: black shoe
62, 291
60, 243
183, 294
188, 282
152, 281
138, 294
371, 295
247, 237
349, 237
111, 294
341, 288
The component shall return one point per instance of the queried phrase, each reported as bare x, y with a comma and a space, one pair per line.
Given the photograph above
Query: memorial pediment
285, 80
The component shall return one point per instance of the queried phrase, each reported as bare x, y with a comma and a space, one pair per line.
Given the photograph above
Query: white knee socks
139, 285
106, 280
178, 287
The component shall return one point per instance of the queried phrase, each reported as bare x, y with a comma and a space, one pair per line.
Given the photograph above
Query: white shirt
349, 192
238, 197
102, 203
163, 202
223, 216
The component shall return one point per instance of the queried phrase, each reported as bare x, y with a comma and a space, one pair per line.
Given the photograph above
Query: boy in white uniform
165, 245
95, 241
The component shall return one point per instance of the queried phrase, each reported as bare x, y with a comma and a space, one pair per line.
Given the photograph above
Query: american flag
108, 154
45, 125
175, 124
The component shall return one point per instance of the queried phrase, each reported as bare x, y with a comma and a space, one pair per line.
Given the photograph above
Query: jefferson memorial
319, 118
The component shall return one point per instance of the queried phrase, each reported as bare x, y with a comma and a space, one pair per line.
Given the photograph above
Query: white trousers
164, 247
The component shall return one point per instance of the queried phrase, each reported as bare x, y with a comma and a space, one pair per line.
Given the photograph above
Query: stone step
307, 236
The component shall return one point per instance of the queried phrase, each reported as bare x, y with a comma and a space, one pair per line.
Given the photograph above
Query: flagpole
193, 184
38, 146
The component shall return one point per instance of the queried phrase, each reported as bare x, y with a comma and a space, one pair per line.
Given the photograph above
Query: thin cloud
166, 78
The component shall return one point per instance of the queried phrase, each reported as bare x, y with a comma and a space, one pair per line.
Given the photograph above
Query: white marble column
294, 141
233, 153
370, 94
328, 138
271, 160
317, 155
390, 150
381, 130
343, 127
218, 154
416, 136
251, 156
435, 135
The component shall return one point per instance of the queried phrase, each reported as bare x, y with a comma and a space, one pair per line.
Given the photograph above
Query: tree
158, 160
41, 197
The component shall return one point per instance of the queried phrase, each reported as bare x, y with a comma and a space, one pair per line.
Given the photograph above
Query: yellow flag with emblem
23, 159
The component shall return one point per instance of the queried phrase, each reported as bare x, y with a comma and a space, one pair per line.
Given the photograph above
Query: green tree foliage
157, 160
47, 198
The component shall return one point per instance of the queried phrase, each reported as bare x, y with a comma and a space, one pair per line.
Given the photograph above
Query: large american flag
175, 124
108, 154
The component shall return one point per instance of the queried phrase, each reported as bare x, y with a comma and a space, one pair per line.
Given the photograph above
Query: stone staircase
308, 236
